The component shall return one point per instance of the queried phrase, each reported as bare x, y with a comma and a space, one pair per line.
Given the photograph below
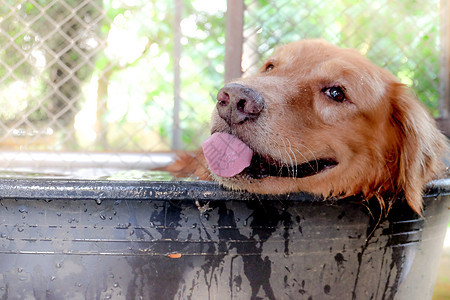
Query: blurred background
101, 83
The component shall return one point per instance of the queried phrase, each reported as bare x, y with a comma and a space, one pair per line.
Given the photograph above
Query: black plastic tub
87, 239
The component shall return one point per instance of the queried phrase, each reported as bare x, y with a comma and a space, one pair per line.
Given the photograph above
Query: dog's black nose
237, 103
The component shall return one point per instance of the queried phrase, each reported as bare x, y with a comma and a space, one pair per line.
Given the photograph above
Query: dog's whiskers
313, 155
291, 164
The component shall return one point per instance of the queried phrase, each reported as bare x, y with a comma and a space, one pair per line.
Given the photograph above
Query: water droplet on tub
52, 278
98, 201
116, 284
123, 226
102, 217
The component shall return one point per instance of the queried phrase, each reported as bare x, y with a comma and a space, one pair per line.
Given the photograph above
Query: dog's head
325, 120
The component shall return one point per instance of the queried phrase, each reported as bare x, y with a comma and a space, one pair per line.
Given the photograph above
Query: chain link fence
140, 76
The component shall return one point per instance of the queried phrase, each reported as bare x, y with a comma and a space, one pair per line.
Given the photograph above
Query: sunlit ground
442, 288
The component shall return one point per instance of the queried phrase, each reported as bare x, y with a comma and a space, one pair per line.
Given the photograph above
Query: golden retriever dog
320, 119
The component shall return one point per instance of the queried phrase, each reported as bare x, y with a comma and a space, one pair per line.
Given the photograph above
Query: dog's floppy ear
189, 164
420, 146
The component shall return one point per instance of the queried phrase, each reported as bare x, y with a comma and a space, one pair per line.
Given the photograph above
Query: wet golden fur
383, 138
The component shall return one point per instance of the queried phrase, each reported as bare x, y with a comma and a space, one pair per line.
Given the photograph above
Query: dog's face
325, 120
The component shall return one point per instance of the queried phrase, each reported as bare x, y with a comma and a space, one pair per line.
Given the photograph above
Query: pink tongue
226, 155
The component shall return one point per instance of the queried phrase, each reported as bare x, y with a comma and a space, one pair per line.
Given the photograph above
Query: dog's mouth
260, 168
228, 156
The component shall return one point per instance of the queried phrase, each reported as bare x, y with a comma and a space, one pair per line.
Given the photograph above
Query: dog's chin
258, 186
264, 174
261, 186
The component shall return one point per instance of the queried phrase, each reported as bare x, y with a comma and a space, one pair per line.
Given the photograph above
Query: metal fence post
444, 71
176, 130
234, 39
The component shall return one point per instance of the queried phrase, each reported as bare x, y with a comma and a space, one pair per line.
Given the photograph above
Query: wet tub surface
139, 236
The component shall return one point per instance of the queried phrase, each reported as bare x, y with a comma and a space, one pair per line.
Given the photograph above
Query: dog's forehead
321, 58
320, 62
315, 52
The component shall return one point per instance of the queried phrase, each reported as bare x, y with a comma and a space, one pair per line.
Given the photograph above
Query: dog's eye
269, 67
335, 93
